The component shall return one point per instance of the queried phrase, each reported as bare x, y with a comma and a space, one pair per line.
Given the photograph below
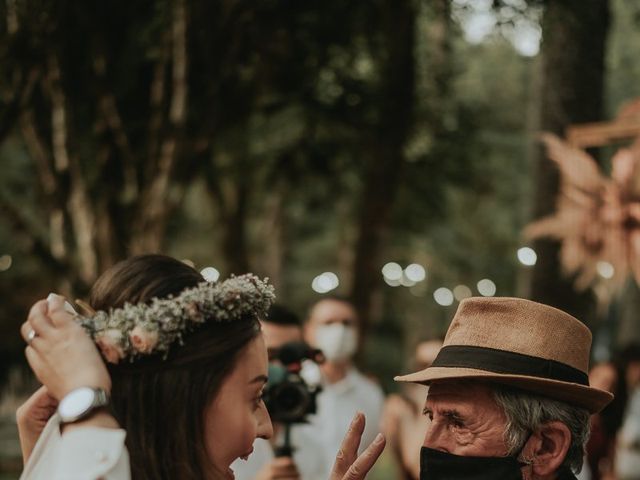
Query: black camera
288, 397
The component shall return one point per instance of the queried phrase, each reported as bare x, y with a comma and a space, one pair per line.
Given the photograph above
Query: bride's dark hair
161, 402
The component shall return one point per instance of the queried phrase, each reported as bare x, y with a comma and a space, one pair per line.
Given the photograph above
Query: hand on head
60, 352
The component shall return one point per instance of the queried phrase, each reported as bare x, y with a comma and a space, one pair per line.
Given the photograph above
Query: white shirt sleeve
88, 453
93, 453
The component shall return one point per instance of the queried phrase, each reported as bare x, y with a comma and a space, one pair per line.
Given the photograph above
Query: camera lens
289, 399
292, 401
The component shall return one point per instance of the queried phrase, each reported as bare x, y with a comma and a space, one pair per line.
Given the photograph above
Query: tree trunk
572, 91
234, 236
275, 242
156, 203
385, 152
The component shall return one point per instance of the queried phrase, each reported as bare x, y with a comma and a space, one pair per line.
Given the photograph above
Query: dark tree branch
23, 92
21, 224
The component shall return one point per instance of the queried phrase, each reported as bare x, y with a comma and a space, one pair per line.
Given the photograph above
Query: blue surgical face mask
437, 465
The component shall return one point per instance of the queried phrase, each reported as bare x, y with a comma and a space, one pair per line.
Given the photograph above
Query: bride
160, 378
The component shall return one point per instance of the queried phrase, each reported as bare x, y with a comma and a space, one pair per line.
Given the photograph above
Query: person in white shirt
332, 325
186, 367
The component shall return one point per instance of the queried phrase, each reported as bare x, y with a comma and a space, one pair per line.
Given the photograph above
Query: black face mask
437, 465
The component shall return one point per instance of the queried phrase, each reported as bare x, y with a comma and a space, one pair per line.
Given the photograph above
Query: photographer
307, 462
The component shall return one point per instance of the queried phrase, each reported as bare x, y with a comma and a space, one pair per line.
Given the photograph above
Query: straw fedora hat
520, 343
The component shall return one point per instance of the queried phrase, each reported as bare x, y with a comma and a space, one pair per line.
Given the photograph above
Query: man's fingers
359, 469
349, 447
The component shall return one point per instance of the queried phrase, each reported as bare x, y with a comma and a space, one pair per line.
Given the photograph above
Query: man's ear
547, 448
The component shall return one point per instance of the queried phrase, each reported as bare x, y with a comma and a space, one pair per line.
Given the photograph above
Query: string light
325, 282
486, 288
460, 292
443, 296
415, 272
392, 271
391, 283
405, 281
5, 262
210, 274
527, 256
605, 270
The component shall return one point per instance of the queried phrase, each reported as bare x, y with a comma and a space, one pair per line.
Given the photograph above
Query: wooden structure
625, 126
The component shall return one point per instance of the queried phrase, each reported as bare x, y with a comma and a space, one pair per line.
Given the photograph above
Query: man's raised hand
350, 466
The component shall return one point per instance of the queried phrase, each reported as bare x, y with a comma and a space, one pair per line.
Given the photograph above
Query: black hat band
508, 363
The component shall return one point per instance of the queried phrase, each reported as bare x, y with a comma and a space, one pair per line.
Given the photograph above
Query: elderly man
509, 396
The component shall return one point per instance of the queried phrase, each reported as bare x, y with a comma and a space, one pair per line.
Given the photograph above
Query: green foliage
283, 99
285, 102
623, 68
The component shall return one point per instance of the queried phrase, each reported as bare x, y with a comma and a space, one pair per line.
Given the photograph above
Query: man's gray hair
527, 412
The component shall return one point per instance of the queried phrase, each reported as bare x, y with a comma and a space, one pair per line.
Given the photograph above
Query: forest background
293, 138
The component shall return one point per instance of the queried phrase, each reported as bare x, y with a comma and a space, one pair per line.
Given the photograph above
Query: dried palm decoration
597, 217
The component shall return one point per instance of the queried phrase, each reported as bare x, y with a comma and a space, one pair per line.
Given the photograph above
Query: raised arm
65, 359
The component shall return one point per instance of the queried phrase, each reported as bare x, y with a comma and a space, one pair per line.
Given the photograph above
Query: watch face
76, 403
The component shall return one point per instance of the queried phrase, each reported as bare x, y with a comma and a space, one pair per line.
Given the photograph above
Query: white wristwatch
81, 402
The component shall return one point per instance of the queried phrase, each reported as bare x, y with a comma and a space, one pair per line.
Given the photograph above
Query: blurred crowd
613, 450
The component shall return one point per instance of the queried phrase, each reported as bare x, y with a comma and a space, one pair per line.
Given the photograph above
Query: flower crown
149, 328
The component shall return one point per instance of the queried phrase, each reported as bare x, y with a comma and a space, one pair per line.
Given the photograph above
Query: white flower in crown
148, 328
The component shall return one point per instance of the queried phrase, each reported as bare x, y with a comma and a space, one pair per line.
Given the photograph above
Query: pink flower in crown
110, 344
193, 311
143, 340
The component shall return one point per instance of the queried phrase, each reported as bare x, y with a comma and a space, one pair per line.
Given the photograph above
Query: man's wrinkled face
464, 419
